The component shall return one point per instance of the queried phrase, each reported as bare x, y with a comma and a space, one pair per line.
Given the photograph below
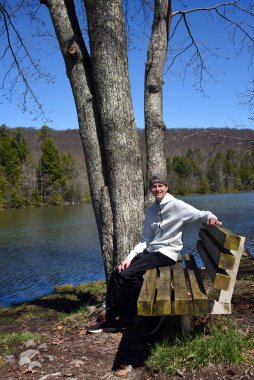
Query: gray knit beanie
158, 178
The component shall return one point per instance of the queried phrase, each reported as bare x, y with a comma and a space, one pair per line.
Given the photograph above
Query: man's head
158, 185
158, 178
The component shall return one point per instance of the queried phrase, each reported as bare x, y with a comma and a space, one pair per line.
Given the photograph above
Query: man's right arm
146, 238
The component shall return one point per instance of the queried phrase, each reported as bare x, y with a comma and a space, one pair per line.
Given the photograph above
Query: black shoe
103, 327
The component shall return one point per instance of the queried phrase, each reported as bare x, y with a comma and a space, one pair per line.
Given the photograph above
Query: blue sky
220, 106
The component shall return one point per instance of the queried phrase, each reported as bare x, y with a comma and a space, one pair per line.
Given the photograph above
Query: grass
9, 341
224, 345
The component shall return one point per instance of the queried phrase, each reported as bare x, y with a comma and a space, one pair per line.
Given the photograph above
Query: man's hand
124, 264
213, 221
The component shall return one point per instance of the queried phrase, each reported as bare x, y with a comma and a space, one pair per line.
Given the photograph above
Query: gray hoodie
163, 226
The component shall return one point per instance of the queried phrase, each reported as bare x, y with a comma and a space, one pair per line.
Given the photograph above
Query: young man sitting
159, 246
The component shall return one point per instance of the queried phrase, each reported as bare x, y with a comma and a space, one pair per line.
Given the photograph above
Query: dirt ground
65, 351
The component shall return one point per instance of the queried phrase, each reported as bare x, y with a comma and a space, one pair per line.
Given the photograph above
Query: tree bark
107, 38
107, 127
156, 55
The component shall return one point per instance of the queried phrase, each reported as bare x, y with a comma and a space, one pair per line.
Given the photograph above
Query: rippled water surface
41, 248
236, 211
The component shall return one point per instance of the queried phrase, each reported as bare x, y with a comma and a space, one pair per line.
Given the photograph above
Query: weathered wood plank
225, 237
147, 293
223, 258
162, 305
219, 276
182, 304
225, 296
199, 297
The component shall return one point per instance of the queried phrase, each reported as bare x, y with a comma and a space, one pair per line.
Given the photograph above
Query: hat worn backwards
159, 178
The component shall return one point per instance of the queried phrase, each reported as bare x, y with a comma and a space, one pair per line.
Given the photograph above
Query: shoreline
90, 202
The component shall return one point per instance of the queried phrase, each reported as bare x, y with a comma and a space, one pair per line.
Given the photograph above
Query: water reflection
41, 248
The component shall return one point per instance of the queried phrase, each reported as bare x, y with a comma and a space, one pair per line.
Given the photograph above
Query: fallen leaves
30, 370
57, 341
124, 372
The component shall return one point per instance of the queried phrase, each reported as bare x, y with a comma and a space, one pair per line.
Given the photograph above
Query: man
159, 246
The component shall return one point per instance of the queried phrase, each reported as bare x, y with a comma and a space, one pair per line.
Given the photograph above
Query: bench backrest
220, 251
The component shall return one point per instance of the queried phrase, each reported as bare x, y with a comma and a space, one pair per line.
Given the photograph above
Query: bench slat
199, 296
225, 237
222, 257
182, 304
147, 293
219, 276
162, 305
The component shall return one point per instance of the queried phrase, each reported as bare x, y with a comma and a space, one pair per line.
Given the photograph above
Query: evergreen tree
9, 158
20, 145
13, 155
51, 175
215, 173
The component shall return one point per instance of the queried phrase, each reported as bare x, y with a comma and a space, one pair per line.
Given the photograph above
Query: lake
44, 247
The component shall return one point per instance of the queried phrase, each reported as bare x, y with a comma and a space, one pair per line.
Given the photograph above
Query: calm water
41, 248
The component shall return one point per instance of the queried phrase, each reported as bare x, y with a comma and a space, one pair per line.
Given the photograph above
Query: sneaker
103, 327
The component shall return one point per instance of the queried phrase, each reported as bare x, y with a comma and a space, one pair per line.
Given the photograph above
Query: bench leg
187, 324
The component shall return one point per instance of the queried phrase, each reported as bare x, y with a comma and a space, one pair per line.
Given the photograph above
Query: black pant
124, 287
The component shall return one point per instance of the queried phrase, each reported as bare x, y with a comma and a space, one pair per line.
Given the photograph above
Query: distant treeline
227, 171
55, 178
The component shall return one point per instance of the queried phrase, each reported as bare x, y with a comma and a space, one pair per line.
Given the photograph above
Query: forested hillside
178, 141
46, 166
35, 172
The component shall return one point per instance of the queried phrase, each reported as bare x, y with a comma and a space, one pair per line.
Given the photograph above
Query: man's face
158, 190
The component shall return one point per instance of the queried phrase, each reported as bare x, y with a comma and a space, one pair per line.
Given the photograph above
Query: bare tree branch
197, 58
235, 23
219, 137
18, 58
206, 8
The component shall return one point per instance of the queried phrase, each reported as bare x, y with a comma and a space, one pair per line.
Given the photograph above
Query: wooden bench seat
184, 289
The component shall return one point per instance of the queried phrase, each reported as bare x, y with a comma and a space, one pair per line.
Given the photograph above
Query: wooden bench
183, 289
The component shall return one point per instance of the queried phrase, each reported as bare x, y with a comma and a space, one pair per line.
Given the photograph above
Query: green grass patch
96, 288
9, 341
66, 288
14, 315
224, 345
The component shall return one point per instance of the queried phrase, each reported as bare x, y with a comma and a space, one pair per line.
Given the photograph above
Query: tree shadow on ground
67, 302
136, 343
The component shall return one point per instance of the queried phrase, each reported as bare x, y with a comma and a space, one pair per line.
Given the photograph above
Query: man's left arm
191, 214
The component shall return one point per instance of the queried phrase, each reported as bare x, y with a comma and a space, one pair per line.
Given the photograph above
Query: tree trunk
121, 143
156, 55
107, 127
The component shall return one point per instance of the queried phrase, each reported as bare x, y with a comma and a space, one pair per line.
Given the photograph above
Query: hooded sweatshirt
163, 226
